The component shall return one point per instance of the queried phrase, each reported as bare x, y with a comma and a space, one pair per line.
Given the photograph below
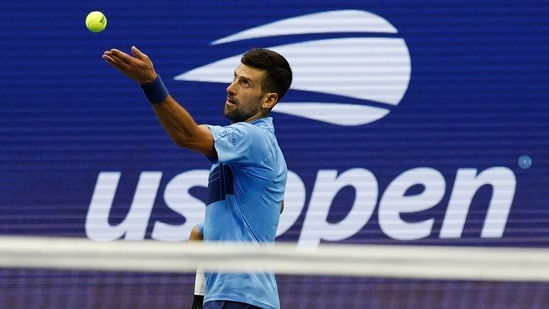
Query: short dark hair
279, 74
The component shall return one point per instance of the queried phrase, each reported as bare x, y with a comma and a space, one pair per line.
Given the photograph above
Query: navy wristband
155, 91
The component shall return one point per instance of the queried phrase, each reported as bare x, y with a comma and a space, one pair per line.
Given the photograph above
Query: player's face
245, 94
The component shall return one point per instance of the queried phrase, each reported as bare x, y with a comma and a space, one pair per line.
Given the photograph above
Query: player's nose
231, 88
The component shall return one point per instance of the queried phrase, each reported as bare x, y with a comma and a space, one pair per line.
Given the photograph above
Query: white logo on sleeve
363, 66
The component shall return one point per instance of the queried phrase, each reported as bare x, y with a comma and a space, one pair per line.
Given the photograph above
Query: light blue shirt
245, 192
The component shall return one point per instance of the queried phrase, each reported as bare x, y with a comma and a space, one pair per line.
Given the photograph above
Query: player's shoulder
260, 126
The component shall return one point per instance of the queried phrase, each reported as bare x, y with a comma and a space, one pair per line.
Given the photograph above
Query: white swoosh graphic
334, 113
339, 22
374, 69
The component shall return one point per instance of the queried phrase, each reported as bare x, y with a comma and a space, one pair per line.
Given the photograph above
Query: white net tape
422, 262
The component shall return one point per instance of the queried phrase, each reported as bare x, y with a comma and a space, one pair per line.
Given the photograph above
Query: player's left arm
199, 284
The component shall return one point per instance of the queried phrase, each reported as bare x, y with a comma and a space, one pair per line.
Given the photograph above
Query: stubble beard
233, 113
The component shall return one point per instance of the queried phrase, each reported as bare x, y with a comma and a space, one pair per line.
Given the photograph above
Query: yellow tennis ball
96, 21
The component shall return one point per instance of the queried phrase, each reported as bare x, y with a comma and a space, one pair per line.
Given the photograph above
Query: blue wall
433, 120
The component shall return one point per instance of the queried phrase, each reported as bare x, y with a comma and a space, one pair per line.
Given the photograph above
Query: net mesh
77, 285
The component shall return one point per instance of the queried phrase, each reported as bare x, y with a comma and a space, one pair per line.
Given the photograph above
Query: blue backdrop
410, 122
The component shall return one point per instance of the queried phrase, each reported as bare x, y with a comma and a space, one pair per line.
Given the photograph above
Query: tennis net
79, 273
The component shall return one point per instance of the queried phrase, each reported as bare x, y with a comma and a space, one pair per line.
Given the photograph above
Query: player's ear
270, 99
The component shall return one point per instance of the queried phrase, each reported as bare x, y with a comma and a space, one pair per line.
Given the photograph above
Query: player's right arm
175, 119
182, 128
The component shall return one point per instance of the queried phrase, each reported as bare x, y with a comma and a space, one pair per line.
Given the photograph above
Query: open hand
137, 66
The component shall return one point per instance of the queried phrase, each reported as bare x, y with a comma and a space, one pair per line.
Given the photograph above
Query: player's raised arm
175, 119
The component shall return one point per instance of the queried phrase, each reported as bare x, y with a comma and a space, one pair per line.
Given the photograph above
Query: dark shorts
222, 304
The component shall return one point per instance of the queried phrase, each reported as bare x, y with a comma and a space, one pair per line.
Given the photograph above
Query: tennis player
248, 173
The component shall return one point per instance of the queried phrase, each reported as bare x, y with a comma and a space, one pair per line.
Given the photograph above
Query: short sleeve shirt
245, 192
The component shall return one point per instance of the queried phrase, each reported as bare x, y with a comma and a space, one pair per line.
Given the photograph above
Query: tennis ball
96, 21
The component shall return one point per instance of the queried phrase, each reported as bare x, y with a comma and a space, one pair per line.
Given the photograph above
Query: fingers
138, 54
141, 56
137, 66
118, 57
116, 60
111, 57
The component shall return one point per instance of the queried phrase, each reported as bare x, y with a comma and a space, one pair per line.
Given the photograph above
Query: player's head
278, 76
261, 79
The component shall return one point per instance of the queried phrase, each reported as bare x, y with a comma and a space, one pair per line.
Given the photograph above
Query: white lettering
414, 191
178, 198
135, 224
395, 202
327, 185
468, 182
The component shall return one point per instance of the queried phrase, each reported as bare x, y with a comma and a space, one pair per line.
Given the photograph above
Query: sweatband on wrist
155, 91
